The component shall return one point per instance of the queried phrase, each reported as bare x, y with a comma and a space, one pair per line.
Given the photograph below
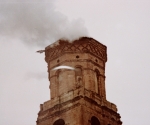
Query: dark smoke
37, 23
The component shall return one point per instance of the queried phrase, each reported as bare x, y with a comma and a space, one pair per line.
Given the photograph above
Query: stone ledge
80, 92
62, 107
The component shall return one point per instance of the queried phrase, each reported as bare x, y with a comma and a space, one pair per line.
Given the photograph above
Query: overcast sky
30, 25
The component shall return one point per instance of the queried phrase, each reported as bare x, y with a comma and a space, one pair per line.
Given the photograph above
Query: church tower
78, 95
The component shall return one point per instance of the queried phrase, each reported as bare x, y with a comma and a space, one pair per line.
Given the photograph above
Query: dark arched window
59, 122
94, 121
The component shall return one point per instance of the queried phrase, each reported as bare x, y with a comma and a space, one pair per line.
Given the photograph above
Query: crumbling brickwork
78, 95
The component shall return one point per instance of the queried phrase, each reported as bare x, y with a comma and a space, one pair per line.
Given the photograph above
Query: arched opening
59, 122
59, 76
65, 77
94, 121
78, 76
97, 79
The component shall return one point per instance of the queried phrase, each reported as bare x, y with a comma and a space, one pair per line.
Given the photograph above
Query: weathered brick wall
77, 95
65, 80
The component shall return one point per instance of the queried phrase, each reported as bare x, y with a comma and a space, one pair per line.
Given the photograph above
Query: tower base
78, 107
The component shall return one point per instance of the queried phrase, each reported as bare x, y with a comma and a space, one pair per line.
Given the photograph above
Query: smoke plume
37, 23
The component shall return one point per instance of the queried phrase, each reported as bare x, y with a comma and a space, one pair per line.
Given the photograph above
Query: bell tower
78, 95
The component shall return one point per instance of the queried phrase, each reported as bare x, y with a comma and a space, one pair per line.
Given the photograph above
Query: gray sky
27, 26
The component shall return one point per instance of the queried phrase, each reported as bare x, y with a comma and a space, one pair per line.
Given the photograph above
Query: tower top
82, 45
78, 94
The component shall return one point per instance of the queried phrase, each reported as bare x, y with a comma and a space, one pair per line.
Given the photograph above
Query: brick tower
78, 95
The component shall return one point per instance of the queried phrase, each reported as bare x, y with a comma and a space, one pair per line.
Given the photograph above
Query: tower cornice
82, 45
